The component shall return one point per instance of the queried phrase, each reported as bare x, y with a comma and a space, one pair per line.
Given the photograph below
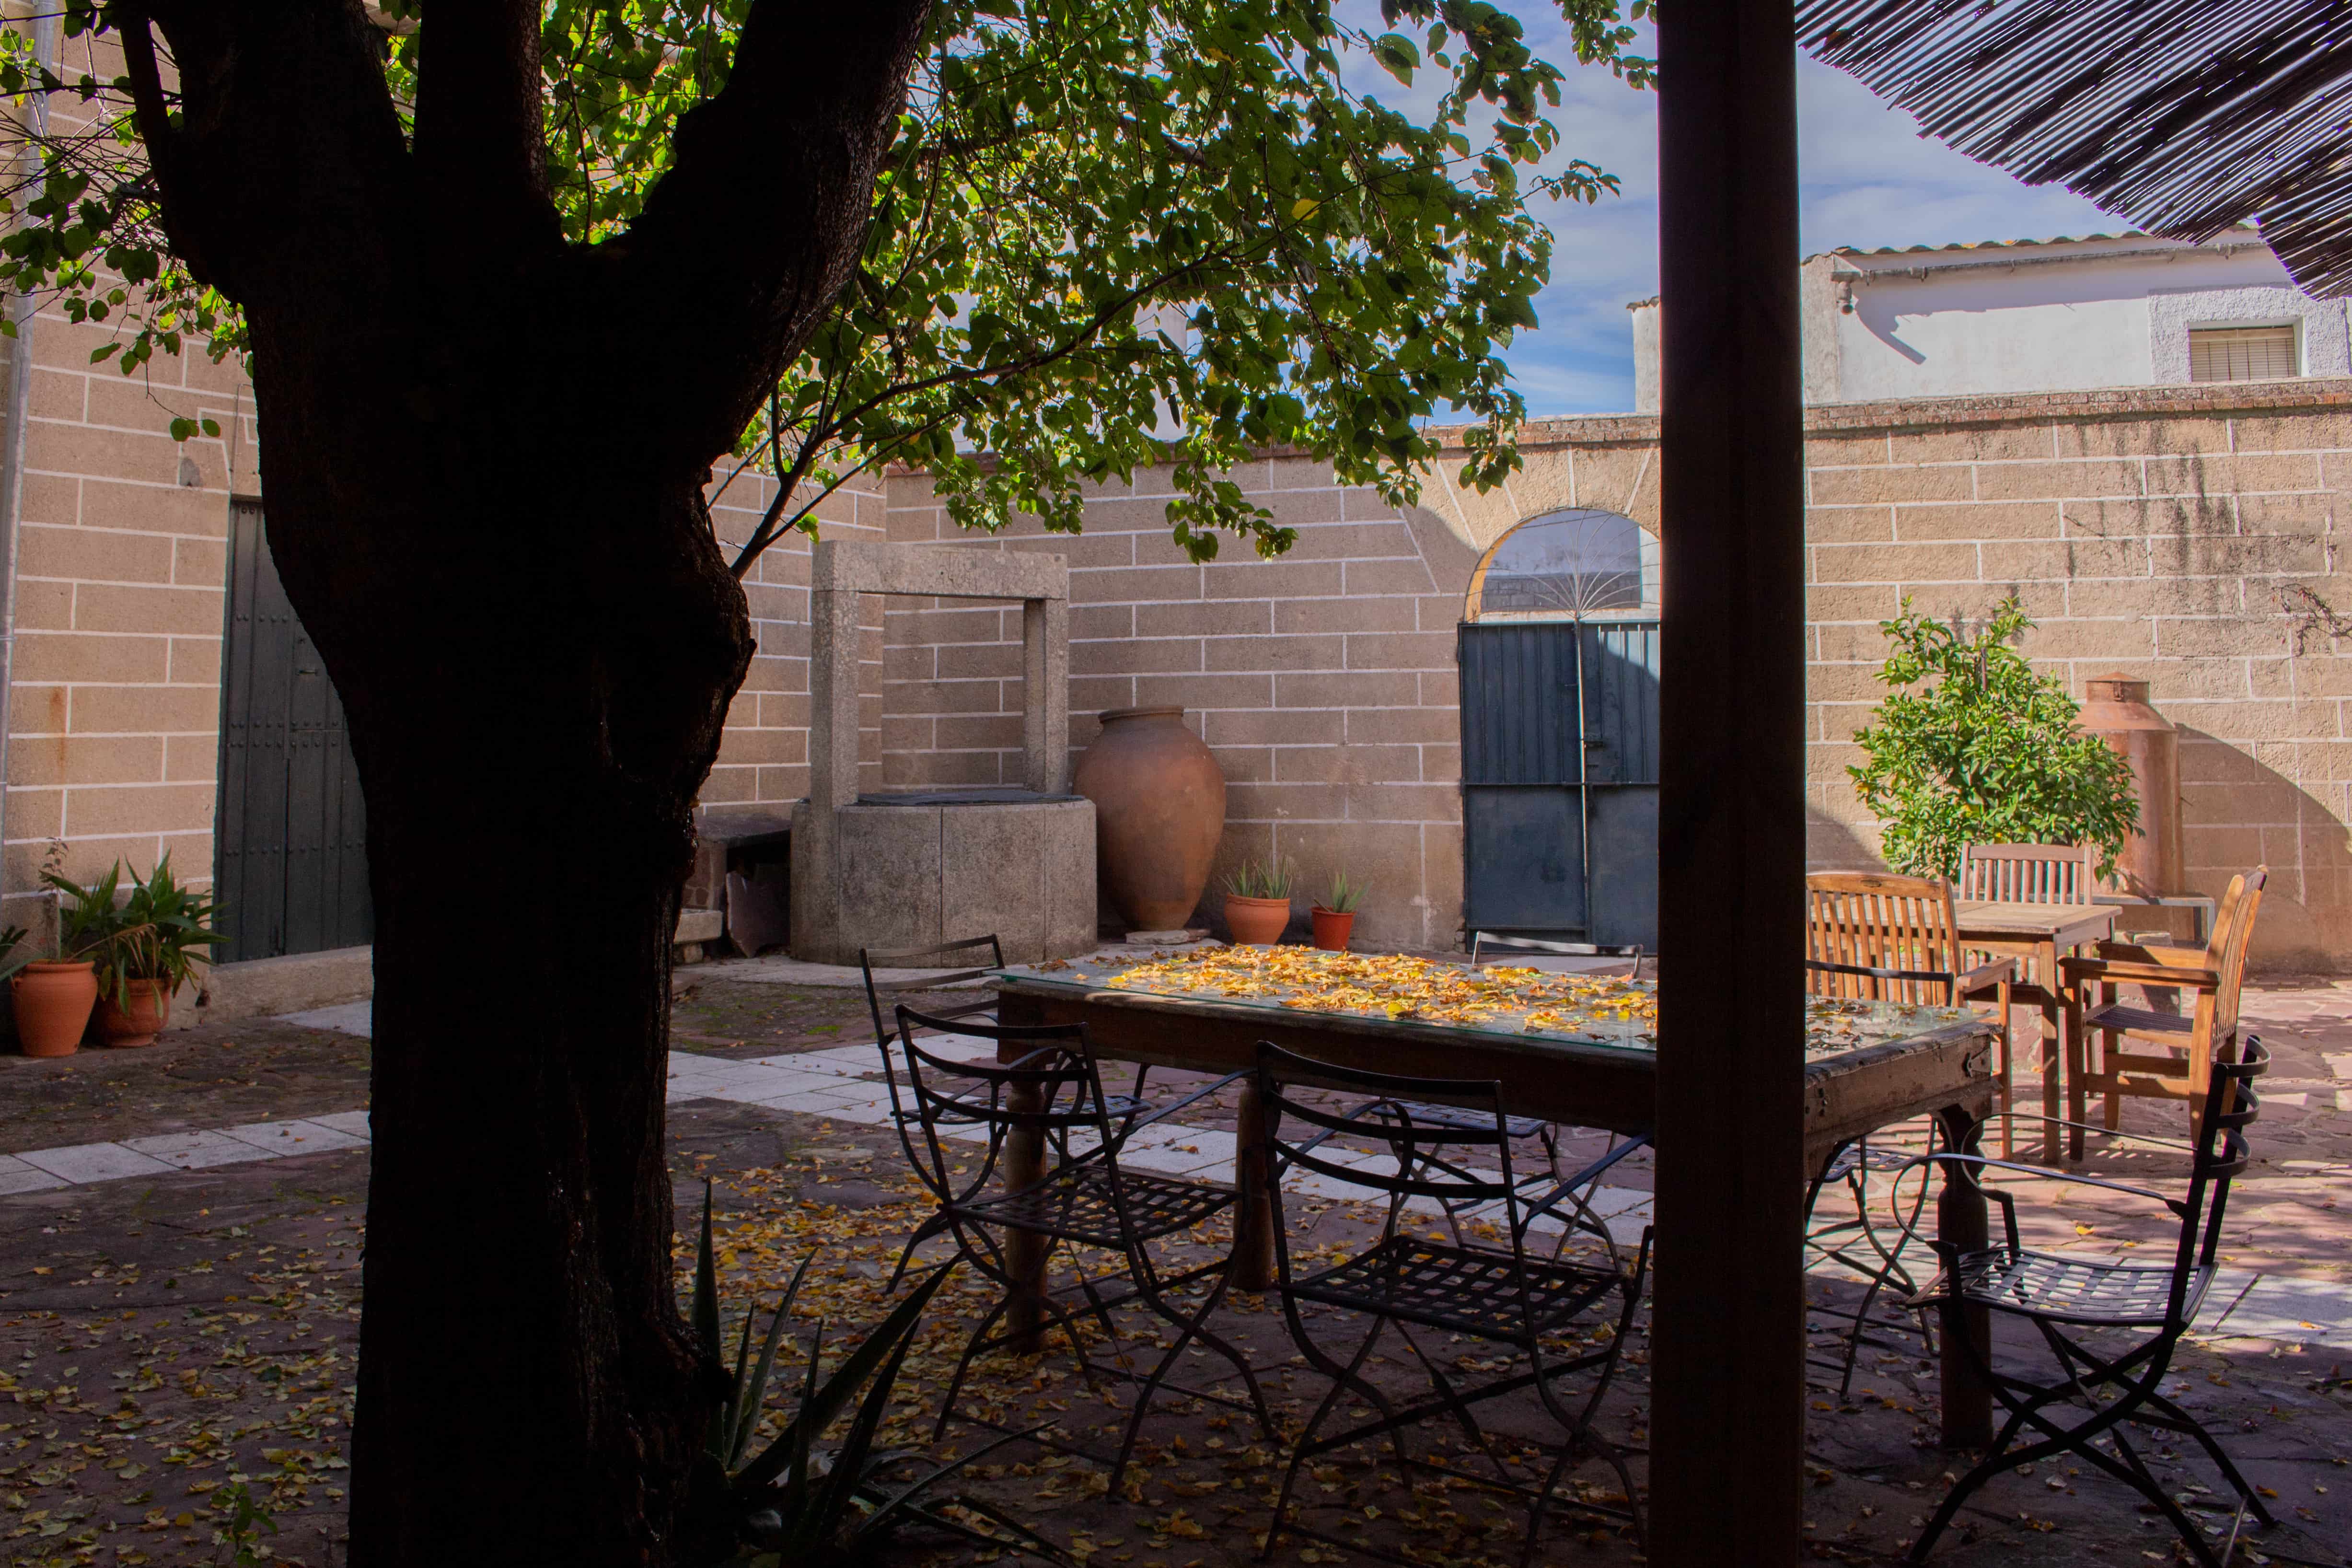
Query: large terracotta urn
1160, 809
2116, 709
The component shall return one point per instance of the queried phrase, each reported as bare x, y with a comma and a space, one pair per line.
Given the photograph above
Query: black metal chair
1564, 1196
1053, 1091
1855, 1164
945, 956
1496, 1293
2059, 1294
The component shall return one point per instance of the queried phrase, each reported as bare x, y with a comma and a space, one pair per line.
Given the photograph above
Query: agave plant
816, 1508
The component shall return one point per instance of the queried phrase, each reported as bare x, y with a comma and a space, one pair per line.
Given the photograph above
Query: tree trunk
483, 451
531, 725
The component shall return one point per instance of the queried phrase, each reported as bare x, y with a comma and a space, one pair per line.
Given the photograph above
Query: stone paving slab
83, 1163
197, 1151
293, 1137
15, 1176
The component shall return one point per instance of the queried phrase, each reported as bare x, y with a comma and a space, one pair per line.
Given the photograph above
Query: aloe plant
1260, 880
793, 1502
1344, 896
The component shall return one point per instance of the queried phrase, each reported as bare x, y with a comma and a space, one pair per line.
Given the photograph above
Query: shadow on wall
1834, 846
2238, 813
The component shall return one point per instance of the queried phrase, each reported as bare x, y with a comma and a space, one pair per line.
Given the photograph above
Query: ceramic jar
140, 1023
52, 1002
1160, 809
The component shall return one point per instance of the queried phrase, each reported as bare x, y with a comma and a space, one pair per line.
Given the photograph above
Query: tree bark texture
483, 451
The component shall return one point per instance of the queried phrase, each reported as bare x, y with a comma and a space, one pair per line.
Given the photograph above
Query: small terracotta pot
52, 1002
1331, 928
1260, 922
139, 1024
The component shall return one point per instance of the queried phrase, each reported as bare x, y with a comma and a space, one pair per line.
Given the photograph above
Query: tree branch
787, 153
481, 143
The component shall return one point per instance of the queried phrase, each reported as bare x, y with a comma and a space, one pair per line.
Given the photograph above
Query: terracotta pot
1257, 921
1160, 809
1331, 928
139, 1024
52, 1002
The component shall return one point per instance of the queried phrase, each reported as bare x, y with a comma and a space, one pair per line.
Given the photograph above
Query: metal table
1907, 1062
2039, 935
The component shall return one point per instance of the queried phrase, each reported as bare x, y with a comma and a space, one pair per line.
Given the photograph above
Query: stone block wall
114, 711
2186, 535
1323, 680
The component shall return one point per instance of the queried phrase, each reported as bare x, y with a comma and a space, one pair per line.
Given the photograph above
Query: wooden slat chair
1876, 936
2121, 1052
2028, 873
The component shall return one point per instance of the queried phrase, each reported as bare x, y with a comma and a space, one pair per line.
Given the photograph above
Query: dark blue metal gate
292, 868
1560, 778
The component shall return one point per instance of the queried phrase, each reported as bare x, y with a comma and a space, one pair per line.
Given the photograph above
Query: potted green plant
144, 945
1257, 901
1335, 916
1971, 747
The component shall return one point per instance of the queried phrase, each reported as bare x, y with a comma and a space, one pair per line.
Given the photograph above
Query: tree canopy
1110, 233
1971, 747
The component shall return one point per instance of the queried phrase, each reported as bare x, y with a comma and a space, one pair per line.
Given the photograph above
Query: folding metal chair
1495, 1293
2060, 1294
1882, 937
1053, 1090
944, 956
1564, 1196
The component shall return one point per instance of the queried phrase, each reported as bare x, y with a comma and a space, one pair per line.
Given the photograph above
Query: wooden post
1727, 1422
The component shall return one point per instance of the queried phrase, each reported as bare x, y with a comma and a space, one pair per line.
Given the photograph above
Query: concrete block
700, 925
270, 987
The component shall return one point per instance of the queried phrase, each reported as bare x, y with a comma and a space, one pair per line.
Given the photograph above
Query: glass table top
1498, 1000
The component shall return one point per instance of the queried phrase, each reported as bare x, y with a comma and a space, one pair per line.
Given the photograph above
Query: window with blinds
2241, 353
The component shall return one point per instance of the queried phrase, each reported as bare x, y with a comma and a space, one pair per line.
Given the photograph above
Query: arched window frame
1566, 608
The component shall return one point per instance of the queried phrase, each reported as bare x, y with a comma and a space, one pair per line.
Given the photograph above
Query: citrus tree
516, 281
1971, 747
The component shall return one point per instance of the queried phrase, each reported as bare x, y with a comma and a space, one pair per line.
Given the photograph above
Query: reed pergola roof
2186, 116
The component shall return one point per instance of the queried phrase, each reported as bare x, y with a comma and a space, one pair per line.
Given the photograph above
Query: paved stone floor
179, 1228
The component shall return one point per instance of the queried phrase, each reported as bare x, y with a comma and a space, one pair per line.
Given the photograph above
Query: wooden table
2037, 933
1945, 1072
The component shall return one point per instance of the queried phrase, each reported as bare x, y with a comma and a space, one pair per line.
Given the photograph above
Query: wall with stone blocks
1324, 680
2186, 535
114, 711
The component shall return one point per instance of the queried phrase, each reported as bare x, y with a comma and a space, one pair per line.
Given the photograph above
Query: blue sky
1869, 178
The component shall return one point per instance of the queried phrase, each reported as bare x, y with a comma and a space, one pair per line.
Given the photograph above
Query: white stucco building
2054, 315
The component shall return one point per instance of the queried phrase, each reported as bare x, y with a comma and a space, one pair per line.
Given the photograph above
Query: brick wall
115, 708
2186, 535
1324, 682
114, 713
763, 753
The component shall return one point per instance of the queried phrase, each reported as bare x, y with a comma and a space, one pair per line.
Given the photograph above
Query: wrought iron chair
1884, 938
1053, 1091
2121, 1051
1495, 1293
945, 955
1551, 1193
2061, 1295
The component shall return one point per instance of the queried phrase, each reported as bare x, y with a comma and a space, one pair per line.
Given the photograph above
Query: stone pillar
1045, 695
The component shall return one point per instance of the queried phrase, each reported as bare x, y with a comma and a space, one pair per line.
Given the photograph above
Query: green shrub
1970, 746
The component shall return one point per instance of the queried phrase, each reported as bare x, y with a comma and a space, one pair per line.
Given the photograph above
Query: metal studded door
291, 869
1559, 773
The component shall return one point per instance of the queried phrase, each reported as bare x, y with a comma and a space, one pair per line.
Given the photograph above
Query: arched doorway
1558, 658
